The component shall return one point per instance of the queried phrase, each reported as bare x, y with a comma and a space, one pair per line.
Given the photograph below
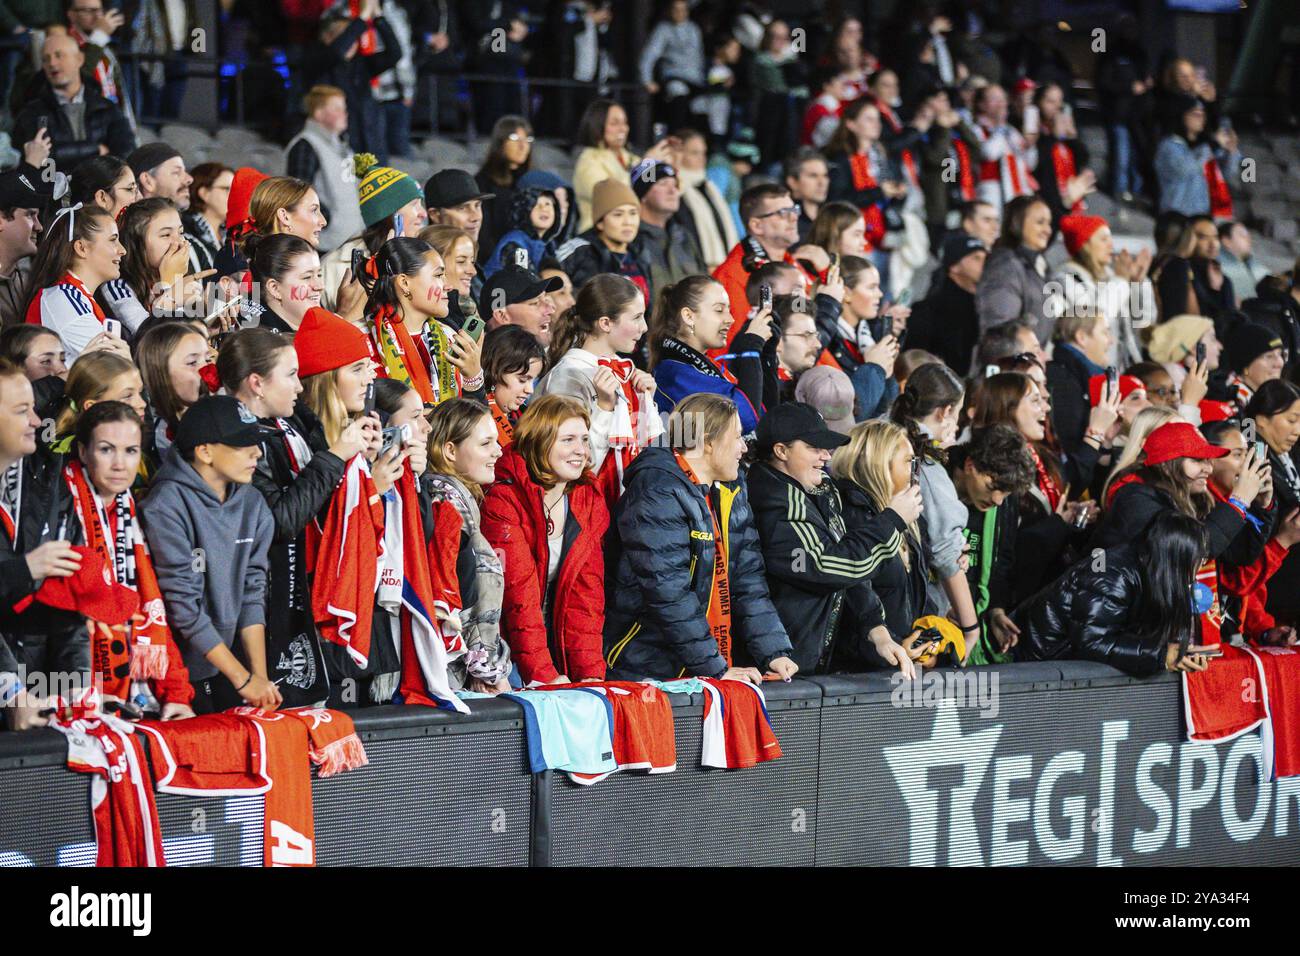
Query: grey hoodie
210, 557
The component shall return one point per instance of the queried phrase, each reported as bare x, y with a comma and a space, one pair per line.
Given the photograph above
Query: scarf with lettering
719, 612
505, 427
346, 573
401, 356
114, 533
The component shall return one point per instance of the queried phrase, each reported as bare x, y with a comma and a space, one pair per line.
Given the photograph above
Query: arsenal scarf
1064, 167
129, 563
431, 635
346, 575
247, 751
122, 806
1220, 197
719, 612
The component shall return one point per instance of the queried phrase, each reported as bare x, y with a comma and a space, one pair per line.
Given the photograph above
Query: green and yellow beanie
382, 189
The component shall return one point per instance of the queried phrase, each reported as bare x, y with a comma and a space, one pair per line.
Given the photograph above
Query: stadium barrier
1068, 763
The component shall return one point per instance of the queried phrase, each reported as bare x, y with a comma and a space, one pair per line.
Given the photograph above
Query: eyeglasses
791, 212
516, 138
800, 335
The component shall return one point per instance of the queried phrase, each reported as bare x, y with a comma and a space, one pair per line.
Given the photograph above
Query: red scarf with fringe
127, 559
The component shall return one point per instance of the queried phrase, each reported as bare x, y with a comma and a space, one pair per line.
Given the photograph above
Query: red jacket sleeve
584, 622
522, 624
1250, 583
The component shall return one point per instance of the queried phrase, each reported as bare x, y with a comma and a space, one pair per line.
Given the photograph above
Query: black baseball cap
795, 421
19, 191
957, 247
512, 285
451, 187
220, 420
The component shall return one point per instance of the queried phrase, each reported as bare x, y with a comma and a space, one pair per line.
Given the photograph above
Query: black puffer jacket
1091, 615
814, 561
105, 126
899, 587
662, 550
586, 255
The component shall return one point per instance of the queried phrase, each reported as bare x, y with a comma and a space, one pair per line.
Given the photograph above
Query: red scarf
369, 41
719, 613
863, 180
1046, 485
103, 74
1064, 167
1220, 197
387, 321
346, 572
965, 169
114, 533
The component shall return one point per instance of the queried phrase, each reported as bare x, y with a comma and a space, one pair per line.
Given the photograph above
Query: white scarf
708, 208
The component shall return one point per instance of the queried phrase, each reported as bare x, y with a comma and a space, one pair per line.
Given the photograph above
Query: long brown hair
134, 223
57, 252
1168, 477
844, 140
604, 294
667, 321
152, 354
454, 421
996, 401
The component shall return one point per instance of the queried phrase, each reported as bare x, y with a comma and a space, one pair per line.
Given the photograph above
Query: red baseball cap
1178, 440
1128, 384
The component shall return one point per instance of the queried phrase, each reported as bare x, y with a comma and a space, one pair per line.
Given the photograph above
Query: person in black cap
515, 296
454, 199
945, 321
20, 227
812, 560
209, 531
80, 121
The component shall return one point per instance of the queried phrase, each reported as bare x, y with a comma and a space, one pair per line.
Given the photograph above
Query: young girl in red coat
547, 519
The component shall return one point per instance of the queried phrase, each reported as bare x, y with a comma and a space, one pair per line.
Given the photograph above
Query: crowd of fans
672, 416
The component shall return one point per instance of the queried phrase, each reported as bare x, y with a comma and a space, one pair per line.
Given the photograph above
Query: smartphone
659, 132
222, 307
1200, 353
835, 261
1112, 380
904, 297
369, 407
394, 436
473, 327
764, 297
113, 327
1261, 450
916, 469
1031, 120
397, 224
1211, 652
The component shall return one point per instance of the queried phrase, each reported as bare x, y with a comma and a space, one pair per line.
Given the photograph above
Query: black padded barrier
1069, 763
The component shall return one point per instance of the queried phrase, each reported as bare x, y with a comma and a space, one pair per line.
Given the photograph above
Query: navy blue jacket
661, 548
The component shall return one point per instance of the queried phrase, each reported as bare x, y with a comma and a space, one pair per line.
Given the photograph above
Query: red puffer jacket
514, 523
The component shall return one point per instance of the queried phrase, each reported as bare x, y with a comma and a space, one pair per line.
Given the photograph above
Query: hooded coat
521, 234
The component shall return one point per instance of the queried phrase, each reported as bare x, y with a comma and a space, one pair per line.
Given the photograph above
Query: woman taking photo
79, 252
104, 181
509, 156
463, 452
288, 270
336, 372
1013, 283
683, 501
98, 511
406, 302
589, 345
297, 475
694, 316
1275, 410
169, 356
928, 410
864, 350
1134, 614
547, 517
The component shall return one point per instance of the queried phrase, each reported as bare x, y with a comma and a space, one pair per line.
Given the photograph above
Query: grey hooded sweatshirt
210, 557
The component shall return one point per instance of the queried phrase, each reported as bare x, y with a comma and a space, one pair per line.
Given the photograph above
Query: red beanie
241, 194
1077, 230
325, 342
1128, 384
